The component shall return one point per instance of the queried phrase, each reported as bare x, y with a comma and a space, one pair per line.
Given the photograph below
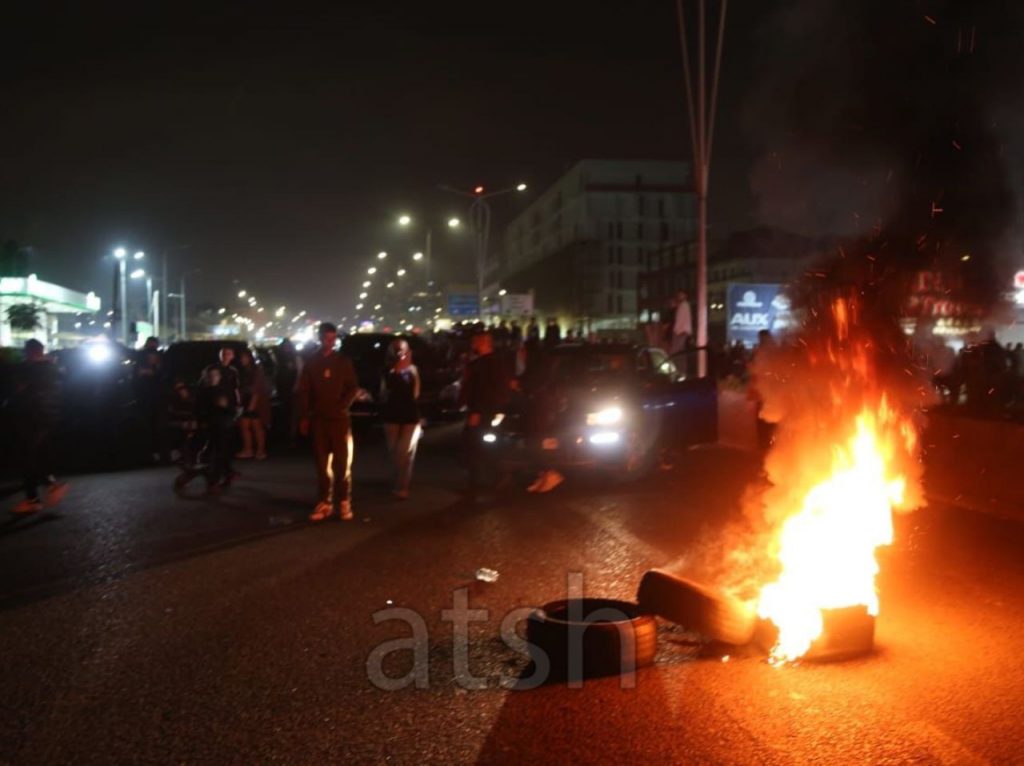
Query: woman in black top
399, 392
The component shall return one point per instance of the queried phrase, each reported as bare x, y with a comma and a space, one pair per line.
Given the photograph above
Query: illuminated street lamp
480, 216
401, 272
382, 255
372, 270
417, 256
363, 295
390, 285
454, 223
367, 283
242, 293
404, 220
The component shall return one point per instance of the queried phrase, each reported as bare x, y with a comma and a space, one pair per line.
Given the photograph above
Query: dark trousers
476, 457
221, 447
38, 460
332, 448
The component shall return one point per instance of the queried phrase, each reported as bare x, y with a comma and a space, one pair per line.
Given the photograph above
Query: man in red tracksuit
327, 387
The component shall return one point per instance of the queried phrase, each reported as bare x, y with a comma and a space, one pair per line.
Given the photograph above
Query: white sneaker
323, 510
346, 510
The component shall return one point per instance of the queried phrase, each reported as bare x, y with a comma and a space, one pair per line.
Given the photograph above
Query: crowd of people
204, 426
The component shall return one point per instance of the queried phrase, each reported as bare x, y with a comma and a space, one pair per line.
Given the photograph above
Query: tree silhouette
24, 317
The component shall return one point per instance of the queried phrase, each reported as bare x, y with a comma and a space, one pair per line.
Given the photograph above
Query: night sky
279, 144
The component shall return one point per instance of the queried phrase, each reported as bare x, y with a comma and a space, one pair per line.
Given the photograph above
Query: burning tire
589, 637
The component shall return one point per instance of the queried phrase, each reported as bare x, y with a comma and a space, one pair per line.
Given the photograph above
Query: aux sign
752, 308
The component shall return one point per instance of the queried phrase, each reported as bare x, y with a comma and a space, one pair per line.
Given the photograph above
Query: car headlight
497, 419
99, 353
609, 416
490, 438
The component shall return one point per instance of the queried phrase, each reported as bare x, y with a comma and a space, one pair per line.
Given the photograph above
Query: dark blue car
614, 407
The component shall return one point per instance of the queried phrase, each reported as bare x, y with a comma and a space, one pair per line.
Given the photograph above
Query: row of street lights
480, 224
391, 292
278, 317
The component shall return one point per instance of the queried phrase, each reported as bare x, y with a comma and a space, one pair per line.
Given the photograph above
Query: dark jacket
327, 387
36, 400
485, 387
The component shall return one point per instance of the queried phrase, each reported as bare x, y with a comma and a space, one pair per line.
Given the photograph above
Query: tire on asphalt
590, 637
696, 607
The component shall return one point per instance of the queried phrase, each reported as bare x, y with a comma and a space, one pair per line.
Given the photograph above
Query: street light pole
123, 273
702, 126
480, 219
184, 325
428, 252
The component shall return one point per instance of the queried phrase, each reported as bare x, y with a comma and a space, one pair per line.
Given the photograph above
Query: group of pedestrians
327, 387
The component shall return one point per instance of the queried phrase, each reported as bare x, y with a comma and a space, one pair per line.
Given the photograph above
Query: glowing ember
844, 461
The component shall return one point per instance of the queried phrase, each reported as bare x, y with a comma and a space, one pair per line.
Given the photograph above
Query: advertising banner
755, 307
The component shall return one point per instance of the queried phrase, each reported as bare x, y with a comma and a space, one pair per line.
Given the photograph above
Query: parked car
368, 352
618, 406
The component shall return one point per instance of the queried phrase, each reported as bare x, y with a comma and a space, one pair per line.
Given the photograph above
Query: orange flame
844, 461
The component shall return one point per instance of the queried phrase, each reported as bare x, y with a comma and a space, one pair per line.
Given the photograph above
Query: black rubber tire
696, 607
607, 645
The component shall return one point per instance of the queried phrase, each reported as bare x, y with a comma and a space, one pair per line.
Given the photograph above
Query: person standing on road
485, 392
400, 414
35, 411
150, 395
682, 324
255, 400
552, 333
327, 387
288, 365
221, 418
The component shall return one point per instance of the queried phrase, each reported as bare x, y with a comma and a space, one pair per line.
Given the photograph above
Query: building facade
582, 244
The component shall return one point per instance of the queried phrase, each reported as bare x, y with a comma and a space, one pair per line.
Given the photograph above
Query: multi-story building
580, 246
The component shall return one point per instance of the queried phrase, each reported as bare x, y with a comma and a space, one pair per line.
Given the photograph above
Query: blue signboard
752, 308
463, 305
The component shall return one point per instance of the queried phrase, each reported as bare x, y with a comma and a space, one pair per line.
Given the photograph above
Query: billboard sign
517, 304
463, 305
752, 308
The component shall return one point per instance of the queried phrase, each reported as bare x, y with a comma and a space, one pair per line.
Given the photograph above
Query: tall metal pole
124, 301
181, 297
163, 294
701, 129
157, 315
480, 215
428, 252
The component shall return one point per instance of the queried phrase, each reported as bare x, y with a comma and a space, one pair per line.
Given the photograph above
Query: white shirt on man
683, 324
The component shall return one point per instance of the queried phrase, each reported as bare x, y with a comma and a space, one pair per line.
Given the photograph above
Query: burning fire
845, 462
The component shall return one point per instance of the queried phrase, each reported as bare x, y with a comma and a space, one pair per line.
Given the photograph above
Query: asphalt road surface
137, 627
